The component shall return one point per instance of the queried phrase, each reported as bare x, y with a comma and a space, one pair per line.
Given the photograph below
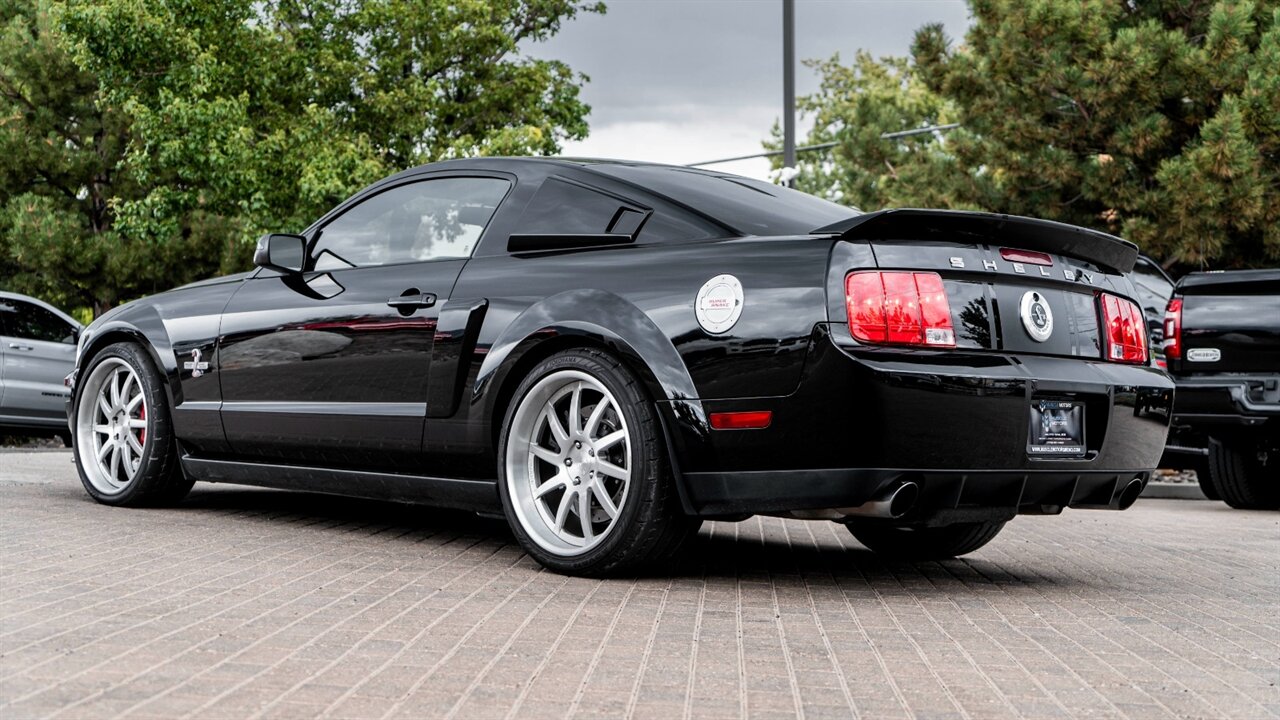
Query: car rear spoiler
1106, 251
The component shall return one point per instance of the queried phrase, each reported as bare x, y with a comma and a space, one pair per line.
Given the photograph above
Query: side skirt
475, 495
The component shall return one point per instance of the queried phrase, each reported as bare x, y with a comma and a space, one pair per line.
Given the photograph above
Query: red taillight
1125, 330
899, 308
1173, 329
1025, 256
750, 420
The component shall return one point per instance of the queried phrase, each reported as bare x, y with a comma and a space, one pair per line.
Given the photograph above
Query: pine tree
1159, 122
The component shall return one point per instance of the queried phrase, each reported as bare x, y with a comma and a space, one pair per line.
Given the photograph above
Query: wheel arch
120, 330
589, 319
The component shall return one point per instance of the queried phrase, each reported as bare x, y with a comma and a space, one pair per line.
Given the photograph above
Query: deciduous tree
227, 118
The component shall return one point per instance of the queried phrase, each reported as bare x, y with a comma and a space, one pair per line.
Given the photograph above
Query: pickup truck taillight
1125, 329
1173, 329
899, 308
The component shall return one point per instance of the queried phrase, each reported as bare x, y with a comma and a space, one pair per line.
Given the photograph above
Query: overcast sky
682, 81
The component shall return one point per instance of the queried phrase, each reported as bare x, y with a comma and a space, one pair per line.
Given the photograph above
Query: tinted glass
1154, 290
426, 220
750, 206
32, 322
564, 208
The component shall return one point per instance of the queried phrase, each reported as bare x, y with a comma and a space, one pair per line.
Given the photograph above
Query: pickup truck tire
926, 543
1207, 485
1237, 474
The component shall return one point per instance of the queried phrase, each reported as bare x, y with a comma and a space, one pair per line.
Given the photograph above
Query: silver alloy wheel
568, 462
111, 426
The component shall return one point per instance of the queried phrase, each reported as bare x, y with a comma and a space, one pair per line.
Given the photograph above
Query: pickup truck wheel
1238, 475
583, 472
1201, 467
924, 543
124, 447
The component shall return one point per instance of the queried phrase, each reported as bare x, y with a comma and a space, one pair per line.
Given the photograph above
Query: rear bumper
955, 422
945, 496
1227, 400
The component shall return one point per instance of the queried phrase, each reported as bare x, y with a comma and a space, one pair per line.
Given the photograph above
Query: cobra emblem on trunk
1037, 318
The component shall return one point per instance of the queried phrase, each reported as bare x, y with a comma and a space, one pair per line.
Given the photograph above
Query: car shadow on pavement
748, 551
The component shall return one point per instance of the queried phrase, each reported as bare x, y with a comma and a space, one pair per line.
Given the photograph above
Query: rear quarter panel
640, 301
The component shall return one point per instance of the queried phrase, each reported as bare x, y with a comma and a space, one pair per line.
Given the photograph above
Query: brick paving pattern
249, 603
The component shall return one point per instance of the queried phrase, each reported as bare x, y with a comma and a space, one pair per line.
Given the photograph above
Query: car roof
745, 205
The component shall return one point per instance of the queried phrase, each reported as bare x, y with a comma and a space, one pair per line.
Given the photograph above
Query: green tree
235, 117
60, 154
1156, 121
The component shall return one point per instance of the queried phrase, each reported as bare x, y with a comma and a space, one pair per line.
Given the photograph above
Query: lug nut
568, 462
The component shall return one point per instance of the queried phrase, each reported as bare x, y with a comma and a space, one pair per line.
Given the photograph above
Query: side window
7, 311
425, 220
564, 208
32, 322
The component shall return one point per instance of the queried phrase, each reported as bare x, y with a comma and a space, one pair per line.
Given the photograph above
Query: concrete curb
1174, 491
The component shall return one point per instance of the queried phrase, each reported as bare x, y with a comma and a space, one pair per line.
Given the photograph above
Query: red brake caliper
142, 434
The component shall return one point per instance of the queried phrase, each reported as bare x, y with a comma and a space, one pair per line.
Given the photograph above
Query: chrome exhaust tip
892, 505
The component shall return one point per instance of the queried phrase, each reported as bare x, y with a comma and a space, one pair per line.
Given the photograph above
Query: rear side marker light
899, 308
751, 420
1173, 329
1029, 257
1125, 330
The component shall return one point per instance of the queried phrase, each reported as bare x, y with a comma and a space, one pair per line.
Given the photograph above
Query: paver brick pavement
246, 603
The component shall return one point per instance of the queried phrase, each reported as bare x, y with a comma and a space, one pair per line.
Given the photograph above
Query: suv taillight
899, 308
1125, 330
1173, 329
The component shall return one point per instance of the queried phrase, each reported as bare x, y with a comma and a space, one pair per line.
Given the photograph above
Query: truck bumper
1231, 400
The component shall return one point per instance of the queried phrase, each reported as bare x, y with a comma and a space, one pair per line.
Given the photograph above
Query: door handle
412, 302
17, 346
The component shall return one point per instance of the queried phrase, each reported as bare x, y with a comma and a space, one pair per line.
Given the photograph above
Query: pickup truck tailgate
1230, 323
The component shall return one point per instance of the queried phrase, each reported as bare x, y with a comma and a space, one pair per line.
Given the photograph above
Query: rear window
750, 206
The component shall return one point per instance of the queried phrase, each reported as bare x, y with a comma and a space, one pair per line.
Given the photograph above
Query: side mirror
280, 251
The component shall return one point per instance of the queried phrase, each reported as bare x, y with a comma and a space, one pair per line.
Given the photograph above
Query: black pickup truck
1222, 344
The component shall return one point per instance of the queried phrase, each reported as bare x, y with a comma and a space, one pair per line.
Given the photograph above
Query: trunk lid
987, 274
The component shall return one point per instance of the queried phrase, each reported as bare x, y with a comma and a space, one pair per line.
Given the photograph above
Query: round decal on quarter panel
1037, 318
719, 304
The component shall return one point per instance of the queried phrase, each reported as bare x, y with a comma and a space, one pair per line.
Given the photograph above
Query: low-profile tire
924, 543
124, 445
1238, 475
1204, 478
581, 438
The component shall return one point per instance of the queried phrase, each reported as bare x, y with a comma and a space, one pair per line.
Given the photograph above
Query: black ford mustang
609, 352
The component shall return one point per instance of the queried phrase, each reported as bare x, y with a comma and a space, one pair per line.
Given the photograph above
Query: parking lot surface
247, 603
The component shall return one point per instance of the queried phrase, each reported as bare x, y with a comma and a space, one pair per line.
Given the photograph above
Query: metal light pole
789, 83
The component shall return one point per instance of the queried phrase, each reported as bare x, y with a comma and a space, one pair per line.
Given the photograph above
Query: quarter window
561, 208
426, 220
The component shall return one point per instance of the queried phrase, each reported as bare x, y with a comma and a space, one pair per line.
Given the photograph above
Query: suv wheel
924, 543
1237, 474
583, 472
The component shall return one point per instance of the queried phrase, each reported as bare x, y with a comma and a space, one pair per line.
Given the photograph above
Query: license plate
1057, 428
